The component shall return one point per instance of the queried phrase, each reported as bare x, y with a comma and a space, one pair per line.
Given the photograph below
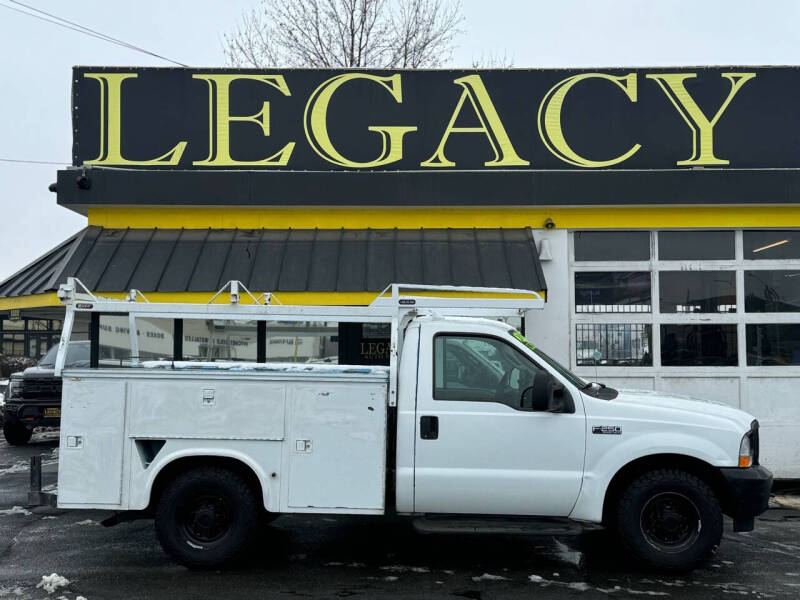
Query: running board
500, 525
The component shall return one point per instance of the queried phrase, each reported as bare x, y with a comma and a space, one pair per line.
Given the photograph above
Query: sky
37, 58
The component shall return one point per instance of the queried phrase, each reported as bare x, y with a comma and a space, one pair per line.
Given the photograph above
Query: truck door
477, 451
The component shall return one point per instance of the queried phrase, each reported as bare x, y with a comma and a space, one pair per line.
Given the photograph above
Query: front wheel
669, 519
206, 517
17, 434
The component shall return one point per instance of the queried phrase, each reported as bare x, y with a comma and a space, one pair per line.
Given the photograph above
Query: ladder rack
393, 305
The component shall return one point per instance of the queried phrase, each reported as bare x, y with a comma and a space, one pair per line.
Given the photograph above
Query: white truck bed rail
394, 303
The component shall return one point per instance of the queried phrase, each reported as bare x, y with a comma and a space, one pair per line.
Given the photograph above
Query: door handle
429, 428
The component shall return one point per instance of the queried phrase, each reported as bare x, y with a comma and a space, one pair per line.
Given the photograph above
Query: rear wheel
669, 519
207, 517
17, 434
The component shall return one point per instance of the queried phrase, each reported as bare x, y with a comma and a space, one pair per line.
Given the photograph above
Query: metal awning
283, 260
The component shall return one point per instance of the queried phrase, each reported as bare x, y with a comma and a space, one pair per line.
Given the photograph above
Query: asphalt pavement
337, 557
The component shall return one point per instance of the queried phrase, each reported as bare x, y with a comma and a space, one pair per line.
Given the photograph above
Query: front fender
605, 458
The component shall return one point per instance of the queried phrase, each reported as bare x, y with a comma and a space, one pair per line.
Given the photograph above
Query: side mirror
545, 395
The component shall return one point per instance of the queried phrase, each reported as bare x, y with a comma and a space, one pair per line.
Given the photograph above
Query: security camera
548, 223
83, 181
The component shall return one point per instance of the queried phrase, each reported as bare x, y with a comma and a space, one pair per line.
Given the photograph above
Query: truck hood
37, 371
686, 406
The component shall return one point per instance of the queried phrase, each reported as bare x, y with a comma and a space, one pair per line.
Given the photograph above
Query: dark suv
34, 396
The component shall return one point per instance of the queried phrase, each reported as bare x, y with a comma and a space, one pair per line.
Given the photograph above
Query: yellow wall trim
296, 298
32, 301
611, 217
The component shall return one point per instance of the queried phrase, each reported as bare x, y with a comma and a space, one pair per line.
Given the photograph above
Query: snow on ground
50, 583
489, 577
14, 592
15, 510
786, 501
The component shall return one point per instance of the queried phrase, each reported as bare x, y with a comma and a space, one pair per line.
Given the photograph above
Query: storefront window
612, 245
698, 345
14, 344
696, 245
612, 292
697, 291
772, 291
771, 345
9, 325
771, 244
613, 344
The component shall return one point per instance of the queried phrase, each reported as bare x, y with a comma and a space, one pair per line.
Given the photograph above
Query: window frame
656, 318
484, 336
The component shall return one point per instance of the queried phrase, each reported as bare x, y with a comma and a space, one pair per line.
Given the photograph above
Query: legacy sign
317, 120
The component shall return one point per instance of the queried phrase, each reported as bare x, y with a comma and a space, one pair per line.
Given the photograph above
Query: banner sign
442, 120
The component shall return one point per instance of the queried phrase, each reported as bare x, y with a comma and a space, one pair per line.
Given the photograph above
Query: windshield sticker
520, 338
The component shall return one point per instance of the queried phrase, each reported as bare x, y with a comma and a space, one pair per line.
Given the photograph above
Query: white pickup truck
470, 428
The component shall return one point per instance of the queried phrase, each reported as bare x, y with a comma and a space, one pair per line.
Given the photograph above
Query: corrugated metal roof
283, 260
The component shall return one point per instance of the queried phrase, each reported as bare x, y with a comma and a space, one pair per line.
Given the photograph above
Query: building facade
657, 209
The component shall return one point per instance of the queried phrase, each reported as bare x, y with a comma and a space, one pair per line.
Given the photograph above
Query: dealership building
658, 211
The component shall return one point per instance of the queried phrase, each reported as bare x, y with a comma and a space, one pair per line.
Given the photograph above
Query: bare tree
493, 61
345, 33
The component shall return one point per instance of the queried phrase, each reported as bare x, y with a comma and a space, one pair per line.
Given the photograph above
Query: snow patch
15, 510
489, 577
567, 554
580, 586
405, 569
535, 578
16, 591
50, 583
87, 522
391, 578
327, 369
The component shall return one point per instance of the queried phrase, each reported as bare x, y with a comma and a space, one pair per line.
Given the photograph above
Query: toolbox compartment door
338, 446
91, 445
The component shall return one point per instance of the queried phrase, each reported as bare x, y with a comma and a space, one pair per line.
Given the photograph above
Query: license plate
50, 413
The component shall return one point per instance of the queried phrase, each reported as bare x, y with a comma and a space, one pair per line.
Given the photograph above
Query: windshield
77, 356
562, 370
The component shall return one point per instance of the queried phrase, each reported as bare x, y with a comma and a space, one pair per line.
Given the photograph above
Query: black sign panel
435, 121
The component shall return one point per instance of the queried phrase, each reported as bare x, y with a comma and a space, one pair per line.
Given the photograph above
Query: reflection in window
612, 245
616, 292
697, 291
696, 245
772, 291
615, 344
771, 345
219, 340
154, 337
698, 345
480, 369
303, 341
771, 244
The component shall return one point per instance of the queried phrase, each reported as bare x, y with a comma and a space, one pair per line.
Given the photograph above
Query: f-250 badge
607, 429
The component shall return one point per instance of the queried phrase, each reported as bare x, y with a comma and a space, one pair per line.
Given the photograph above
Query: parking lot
335, 557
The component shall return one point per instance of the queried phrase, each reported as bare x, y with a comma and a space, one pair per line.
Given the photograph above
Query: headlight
748, 448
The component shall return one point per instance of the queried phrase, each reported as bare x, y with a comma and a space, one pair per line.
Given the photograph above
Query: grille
44, 387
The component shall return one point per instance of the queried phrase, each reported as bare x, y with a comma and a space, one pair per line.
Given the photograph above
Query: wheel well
625, 476
181, 465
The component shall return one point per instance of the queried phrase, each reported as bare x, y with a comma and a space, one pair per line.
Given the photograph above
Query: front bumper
748, 494
31, 415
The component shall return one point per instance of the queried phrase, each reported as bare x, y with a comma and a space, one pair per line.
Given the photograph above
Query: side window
480, 369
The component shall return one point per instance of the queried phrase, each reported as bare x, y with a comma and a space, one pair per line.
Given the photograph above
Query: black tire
669, 520
17, 434
207, 517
